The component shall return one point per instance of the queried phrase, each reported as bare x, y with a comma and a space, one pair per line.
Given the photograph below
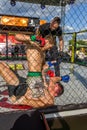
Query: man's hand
61, 53
39, 39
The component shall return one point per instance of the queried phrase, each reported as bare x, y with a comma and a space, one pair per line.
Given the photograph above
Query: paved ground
74, 92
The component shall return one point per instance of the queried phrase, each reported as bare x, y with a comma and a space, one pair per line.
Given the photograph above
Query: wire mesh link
25, 17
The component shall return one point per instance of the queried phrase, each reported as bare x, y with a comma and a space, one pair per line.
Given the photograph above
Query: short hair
56, 19
62, 89
50, 38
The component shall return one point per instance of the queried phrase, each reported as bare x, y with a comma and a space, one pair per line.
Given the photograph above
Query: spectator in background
16, 50
12, 51
22, 49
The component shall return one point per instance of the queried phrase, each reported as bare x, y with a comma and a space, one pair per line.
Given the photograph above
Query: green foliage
78, 43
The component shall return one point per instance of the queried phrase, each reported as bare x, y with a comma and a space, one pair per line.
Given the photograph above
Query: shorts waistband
34, 74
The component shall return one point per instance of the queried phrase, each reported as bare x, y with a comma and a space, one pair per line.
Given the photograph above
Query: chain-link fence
76, 51
21, 64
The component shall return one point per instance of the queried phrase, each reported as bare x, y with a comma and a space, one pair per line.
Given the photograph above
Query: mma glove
52, 64
39, 39
65, 78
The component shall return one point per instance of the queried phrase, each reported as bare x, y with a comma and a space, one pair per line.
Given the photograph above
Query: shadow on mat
31, 121
58, 124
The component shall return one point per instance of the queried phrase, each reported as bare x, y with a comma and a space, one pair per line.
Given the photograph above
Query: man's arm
46, 47
26, 39
22, 37
61, 43
45, 67
42, 101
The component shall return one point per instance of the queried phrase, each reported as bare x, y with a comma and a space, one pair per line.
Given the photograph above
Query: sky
74, 18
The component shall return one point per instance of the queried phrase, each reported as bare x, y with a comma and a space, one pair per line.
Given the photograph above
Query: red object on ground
4, 93
4, 103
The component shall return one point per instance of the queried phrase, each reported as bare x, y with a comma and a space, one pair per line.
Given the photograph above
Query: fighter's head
59, 89
56, 90
49, 40
55, 23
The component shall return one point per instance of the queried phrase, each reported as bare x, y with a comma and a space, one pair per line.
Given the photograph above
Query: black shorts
17, 91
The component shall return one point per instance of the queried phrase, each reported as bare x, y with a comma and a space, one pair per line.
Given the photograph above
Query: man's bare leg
8, 74
10, 78
42, 101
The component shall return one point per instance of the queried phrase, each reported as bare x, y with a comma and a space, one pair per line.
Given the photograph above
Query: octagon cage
21, 61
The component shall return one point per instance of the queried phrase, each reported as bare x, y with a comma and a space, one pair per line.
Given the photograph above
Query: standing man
53, 28
16, 49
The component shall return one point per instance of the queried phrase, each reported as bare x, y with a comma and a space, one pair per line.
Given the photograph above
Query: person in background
16, 50
12, 51
22, 49
53, 28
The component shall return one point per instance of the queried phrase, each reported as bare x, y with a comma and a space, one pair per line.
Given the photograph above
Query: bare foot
20, 100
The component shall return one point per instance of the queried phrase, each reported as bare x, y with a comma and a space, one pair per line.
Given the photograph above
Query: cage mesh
74, 60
